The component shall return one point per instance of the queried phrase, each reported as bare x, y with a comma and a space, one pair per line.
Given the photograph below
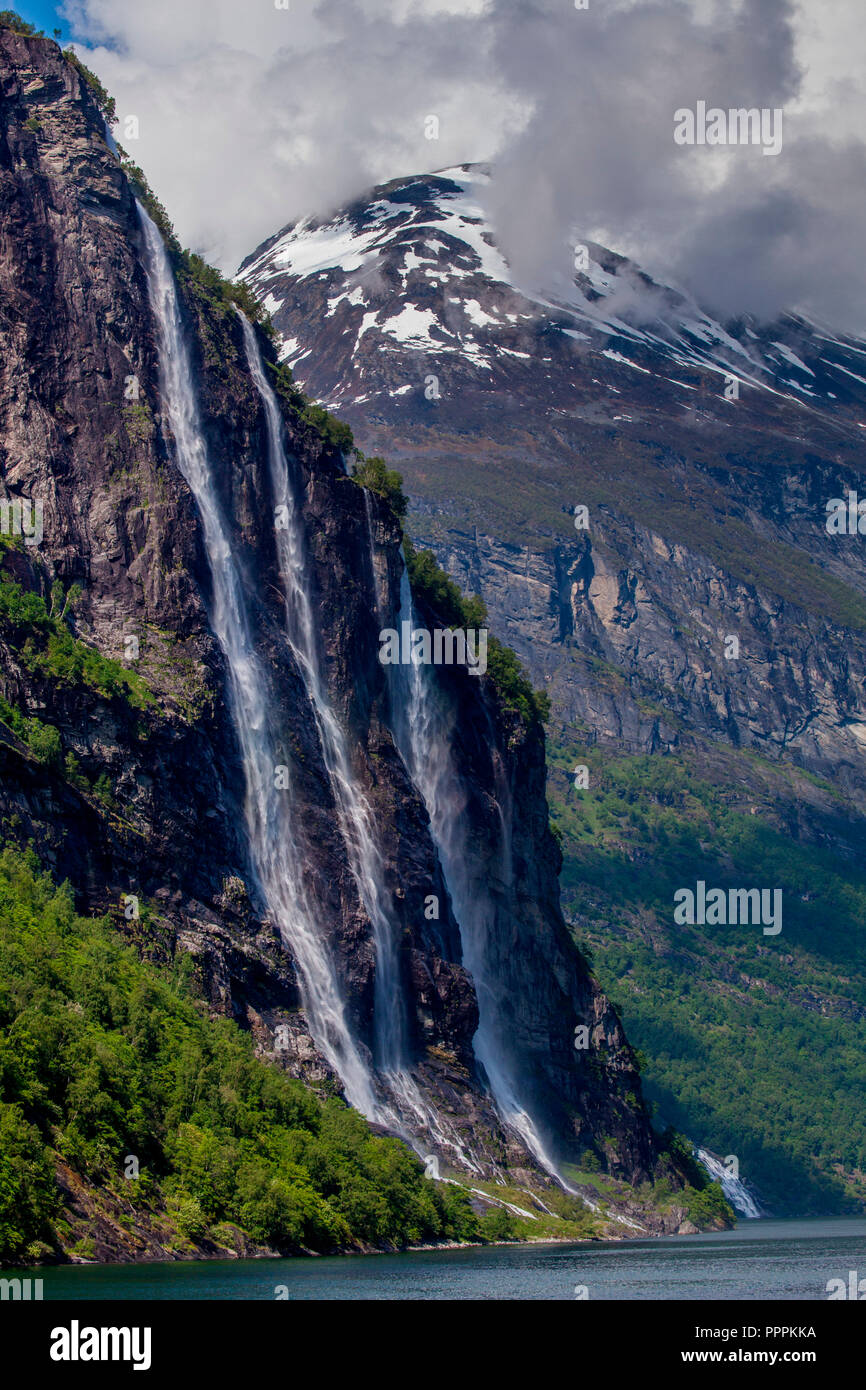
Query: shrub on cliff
45, 646
442, 596
105, 102
10, 20
333, 431
374, 473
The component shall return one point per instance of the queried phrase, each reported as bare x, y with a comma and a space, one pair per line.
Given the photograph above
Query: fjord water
759, 1260
274, 849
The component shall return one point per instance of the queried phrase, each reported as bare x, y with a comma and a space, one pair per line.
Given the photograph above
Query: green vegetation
45, 646
102, 1056
195, 274
441, 595
42, 739
222, 293
566, 1217
105, 102
332, 431
374, 473
151, 204
138, 421
221, 296
756, 1045
498, 1224
10, 20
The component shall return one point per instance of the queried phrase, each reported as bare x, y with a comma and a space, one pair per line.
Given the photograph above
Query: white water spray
423, 732
277, 858
734, 1189
353, 808
410, 1115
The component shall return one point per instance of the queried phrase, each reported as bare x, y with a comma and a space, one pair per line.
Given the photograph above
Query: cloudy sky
251, 115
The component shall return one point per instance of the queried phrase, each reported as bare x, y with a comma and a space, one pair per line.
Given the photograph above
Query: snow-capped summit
409, 283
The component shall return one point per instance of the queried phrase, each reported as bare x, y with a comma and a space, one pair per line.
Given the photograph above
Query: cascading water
352, 807
410, 1115
423, 729
277, 860
423, 734
734, 1189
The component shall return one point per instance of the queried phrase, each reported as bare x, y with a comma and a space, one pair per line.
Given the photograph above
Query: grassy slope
753, 1043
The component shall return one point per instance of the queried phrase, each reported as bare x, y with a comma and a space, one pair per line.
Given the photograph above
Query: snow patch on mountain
417, 267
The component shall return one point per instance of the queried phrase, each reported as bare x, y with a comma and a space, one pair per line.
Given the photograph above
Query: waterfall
353, 809
410, 1115
276, 856
352, 806
423, 730
734, 1189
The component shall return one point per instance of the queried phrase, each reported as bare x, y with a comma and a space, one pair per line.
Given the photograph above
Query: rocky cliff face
138, 801
640, 494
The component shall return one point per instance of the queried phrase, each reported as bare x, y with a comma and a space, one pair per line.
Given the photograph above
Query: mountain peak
414, 268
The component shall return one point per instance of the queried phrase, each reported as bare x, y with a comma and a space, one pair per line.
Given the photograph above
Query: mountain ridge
707, 458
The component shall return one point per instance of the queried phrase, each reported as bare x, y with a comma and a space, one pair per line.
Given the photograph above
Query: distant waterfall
276, 857
423, 733
734, 1189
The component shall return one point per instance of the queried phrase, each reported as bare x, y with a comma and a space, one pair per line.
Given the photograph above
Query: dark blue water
758, 1260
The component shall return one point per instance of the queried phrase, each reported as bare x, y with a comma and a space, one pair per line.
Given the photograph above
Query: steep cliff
120, 753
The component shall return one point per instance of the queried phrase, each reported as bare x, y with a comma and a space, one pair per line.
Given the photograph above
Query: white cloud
252, 116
